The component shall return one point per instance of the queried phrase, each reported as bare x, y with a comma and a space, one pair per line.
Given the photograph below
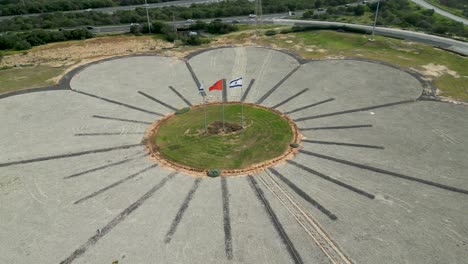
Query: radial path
380, 177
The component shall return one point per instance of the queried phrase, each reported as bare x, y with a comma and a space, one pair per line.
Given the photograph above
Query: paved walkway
381, 176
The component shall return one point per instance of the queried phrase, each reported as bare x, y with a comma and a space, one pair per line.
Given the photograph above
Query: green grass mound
265, 135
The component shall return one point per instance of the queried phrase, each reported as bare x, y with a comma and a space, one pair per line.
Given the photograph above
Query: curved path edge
452, 45
428, 92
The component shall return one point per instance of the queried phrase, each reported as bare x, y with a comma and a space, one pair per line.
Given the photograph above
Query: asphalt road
240, 19
445, 43
130, 7
440, 11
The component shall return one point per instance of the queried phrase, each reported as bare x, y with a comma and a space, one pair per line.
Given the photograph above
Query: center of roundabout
232, 137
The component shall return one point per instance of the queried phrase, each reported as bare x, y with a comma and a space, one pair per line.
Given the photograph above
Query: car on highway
218, 20
88, 10
89, 27
235, 21
190, 21
252, 16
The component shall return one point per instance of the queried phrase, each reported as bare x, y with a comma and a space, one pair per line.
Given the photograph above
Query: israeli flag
236, 83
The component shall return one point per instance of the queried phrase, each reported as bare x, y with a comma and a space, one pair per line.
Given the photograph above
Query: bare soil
75, 53
217, 127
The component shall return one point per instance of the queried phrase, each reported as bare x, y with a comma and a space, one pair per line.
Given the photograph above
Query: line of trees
195, 11
20, 7
400, 13
214, 27
25, 40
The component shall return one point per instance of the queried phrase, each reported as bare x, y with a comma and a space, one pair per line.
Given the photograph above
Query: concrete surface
75, 186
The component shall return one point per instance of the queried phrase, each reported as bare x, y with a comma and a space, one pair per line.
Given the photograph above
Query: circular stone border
156, 155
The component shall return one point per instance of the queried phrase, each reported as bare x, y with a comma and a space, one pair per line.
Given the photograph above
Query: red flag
217, 86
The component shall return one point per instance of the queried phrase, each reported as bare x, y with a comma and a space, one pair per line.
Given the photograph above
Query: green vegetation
394, 13
182, 139
294, 145
457, 7
168, 33
270, 32
323, 44
17, 7
195, 11
182, 111
25, 40
213, 173
27, 77
397, 13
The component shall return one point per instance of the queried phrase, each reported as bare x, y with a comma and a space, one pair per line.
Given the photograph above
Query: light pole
375, 21
147, 16
258, 14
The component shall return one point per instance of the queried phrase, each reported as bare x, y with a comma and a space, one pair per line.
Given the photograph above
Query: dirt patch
432, 70
218, 127
75, 53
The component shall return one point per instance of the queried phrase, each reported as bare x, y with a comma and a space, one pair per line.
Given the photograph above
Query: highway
281, 19
130, 7
241, 20
189, 2
445, 43
440, 11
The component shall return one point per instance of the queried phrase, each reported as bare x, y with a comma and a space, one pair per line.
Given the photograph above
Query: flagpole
242, 110
223, 92
201, 90
204, 102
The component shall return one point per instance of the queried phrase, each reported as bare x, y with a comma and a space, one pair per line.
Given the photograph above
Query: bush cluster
213, 173
400, 13
25, 40
294, 145
194, 40
182, 110
17, 7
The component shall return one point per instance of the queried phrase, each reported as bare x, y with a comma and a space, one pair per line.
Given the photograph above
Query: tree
22, 45
359, 10
135, 29
318, 4
307, 14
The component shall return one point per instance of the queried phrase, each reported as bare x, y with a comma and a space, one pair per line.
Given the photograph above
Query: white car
252, 16
190, 20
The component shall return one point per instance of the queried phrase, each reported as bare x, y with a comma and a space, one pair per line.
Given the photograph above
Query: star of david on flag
236, 83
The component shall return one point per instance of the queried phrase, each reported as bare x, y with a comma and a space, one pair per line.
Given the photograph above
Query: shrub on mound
213, 173
270, 32
294, 145
183, 110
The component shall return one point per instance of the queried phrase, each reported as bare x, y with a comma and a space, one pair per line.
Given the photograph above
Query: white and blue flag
236, 83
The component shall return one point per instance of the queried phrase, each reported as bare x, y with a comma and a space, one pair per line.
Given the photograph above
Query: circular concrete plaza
381, 175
